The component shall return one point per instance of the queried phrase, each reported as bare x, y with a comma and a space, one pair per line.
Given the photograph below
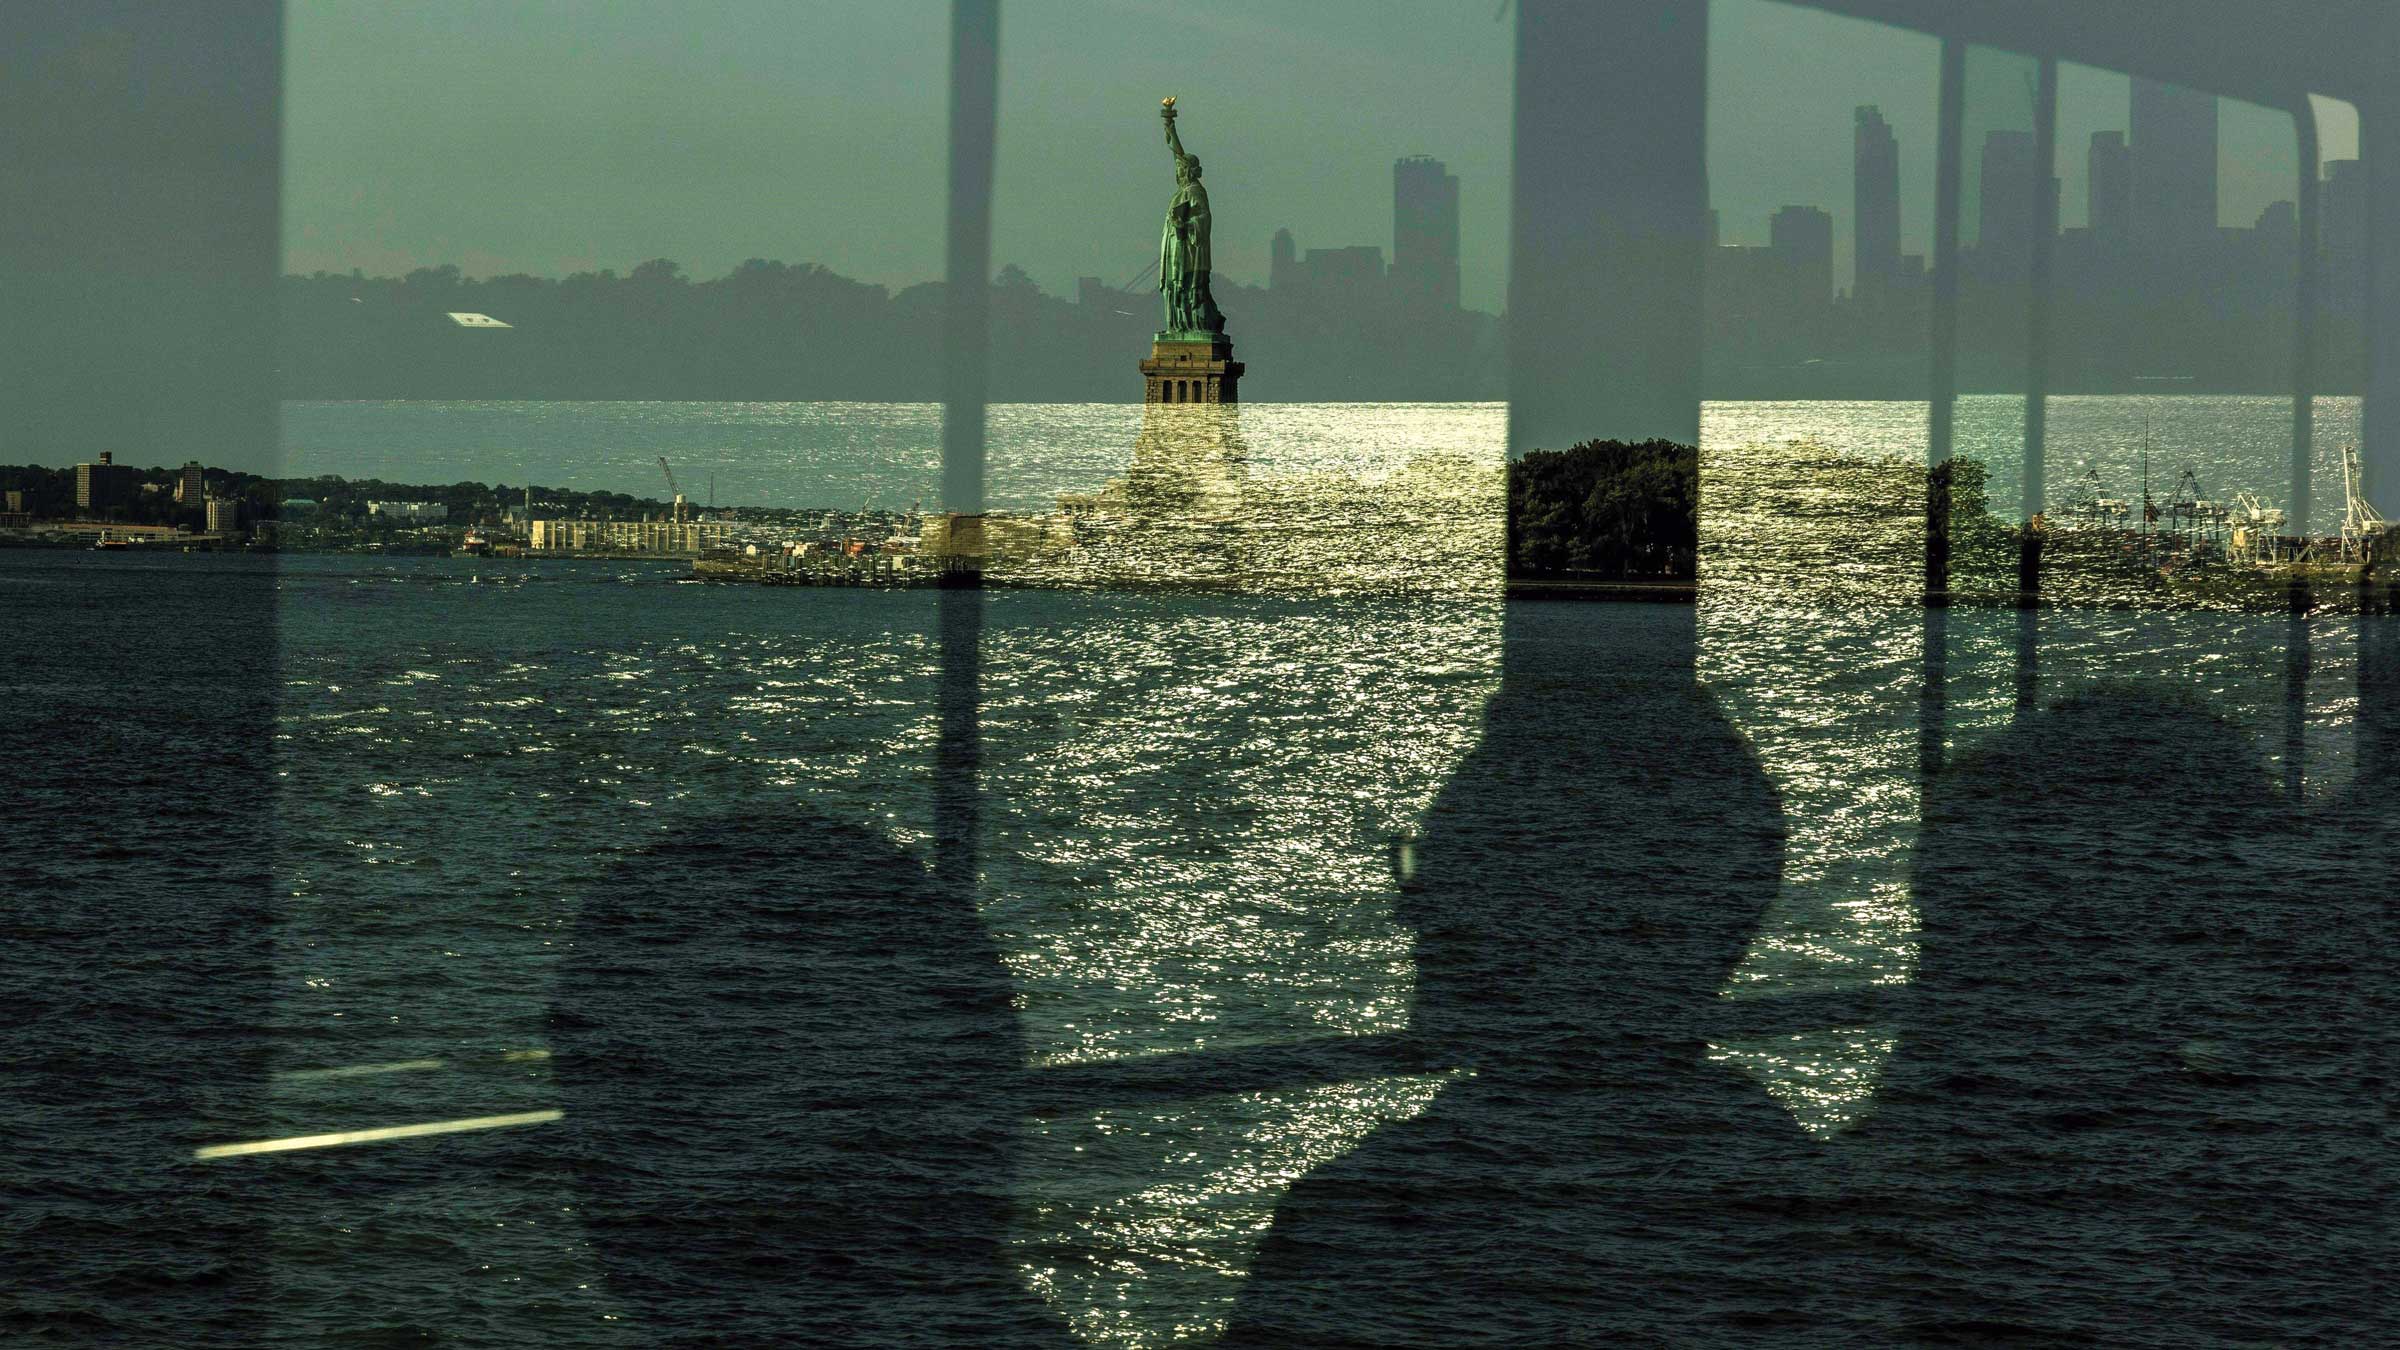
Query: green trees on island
1605, 511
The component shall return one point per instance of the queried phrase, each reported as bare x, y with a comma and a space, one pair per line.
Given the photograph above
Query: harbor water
1327, 951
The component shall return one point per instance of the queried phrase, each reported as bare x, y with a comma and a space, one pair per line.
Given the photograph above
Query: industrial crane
674, 493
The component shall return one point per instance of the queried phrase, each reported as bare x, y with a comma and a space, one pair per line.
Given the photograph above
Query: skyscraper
1800, 240
2005, 216
2278, 226
2109, 198
1425, 231
2343, 233
2174, 145
1875, 199
1282, 253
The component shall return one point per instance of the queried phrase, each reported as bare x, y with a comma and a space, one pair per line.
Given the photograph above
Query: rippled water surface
1257, 928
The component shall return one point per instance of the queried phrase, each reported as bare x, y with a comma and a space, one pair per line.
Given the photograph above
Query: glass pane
580, 841
1823, 135
2173, 428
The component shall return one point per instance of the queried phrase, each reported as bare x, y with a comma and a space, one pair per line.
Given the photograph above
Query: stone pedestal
1191, 368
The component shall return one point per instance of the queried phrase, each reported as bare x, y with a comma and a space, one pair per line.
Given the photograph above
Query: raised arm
1166, 113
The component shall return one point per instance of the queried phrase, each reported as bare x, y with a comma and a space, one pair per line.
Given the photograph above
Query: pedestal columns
1191, 370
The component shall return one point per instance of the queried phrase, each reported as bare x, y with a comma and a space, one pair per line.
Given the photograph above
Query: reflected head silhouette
2120, 1105
790, 1067
1586, 881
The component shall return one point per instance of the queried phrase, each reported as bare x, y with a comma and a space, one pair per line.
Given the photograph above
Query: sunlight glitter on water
1189, 794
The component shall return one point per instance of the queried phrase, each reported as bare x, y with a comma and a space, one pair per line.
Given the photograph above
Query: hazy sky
551, 136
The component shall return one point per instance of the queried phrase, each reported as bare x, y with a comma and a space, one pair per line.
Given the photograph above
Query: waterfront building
224, 515
412, 513
191, 483
666, 538
94, 530
105, 484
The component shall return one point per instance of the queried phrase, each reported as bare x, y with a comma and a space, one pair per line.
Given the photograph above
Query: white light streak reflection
358, 1070
411, 1066
380, 1134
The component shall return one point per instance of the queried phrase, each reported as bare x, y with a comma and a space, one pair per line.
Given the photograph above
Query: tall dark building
1800, 241
2174, 146
1875, 200
1425, 231
1282, 254
2109, 201
2005, 216
2342, 232
105, 484
191, 484
2278, 226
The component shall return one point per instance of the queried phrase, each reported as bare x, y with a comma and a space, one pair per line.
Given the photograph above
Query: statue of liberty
1183, 245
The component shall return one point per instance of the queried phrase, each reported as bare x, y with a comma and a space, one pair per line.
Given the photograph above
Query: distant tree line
50, 494
769, 330
469, 503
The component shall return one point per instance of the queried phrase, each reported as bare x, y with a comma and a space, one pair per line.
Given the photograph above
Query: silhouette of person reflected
789, 1064
2125, 1109
1586, 881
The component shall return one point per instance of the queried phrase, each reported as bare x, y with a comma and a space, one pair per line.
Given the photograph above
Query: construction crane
2361, 522
674, 493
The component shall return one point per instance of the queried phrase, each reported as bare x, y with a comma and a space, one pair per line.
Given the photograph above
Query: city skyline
1423, 257
634, 135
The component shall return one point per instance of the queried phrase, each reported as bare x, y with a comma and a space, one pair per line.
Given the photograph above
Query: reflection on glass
1812, 544
1140, 1226
1192, 510
1812, 523
1222, 684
